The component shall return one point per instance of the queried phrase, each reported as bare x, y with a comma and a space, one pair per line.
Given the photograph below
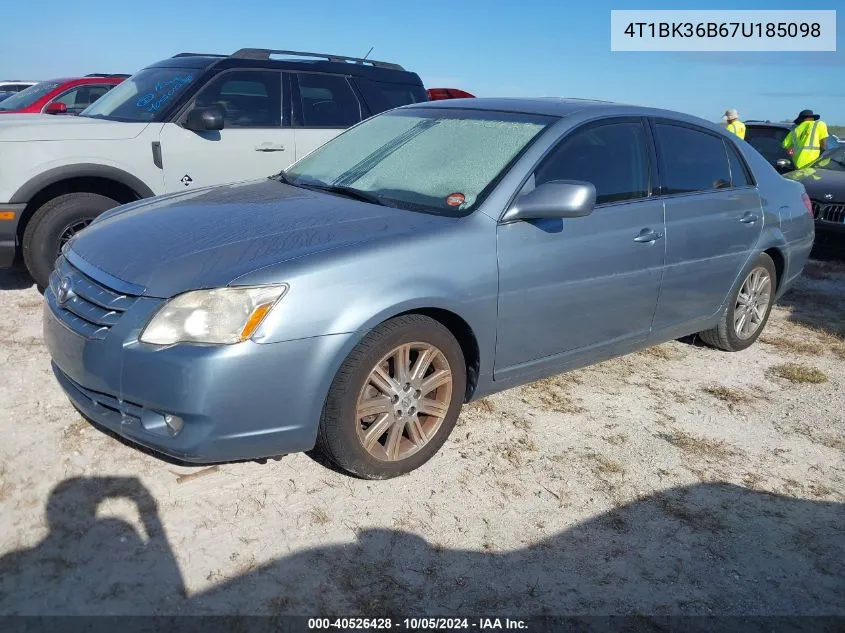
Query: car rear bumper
243, 401
10, 216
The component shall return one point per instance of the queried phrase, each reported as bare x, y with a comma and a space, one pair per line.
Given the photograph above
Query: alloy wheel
752, 303
404, 401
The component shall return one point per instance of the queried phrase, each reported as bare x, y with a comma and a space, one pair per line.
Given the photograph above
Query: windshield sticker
455, 199
162, 93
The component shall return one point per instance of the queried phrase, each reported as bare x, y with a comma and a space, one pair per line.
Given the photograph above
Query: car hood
52, 127
210, 237
820, 183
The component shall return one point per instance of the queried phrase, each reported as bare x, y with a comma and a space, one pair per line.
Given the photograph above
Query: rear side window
386, 95
691, 160
327, 101
768, 141
611, 156
248, 98
740, 175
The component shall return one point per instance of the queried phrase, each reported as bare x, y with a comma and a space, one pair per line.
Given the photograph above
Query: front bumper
243, 401
10, 217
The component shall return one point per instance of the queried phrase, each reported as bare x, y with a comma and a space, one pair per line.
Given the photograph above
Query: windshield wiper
351, 192
283, 177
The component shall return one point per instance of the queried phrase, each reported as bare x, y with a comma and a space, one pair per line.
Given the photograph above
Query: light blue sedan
430, 255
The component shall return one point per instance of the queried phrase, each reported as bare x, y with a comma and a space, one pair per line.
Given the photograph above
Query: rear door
713, 220
323, 107
256, 140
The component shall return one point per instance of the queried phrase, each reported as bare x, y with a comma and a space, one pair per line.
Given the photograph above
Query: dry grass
731, 396
794, 345
551, 393
319, 516
616, 440
799, 373
699, 446
484, 406
606, 466
667, 351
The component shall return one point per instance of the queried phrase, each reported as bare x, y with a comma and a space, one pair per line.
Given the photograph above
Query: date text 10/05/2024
416, 624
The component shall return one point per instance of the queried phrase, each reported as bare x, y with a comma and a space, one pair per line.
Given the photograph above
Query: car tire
53, 224
757, 291
397, 403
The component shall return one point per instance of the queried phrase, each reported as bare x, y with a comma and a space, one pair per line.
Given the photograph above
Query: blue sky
504, 48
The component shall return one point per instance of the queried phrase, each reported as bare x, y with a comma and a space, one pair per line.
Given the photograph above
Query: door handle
648, 236
269, 147
749, 218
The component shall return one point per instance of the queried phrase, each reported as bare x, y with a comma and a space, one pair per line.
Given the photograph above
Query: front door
253, 143
582, 284
713, 220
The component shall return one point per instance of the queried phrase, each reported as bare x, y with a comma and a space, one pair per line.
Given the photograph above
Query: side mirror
783, 164
56, 108
205, 119
554, 199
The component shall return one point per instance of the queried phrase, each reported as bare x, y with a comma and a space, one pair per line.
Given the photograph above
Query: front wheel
395, 399
746, 315
53, 225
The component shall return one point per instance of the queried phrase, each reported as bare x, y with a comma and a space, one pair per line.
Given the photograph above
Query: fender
81, 170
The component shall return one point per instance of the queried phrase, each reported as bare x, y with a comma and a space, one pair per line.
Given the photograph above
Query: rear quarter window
383, 95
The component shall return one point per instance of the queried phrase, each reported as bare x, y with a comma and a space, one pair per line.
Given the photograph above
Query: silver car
428, 256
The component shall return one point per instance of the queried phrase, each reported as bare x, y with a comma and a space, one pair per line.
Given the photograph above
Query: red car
60, 96
436, 94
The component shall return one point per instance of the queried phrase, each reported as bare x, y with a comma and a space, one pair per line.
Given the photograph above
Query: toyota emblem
63, 292
828, 196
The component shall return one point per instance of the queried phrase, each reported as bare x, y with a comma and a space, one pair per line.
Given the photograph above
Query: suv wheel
748, 310
395, 399
53, 225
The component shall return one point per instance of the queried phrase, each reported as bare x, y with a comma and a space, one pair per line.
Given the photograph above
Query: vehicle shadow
704, 549
16, 278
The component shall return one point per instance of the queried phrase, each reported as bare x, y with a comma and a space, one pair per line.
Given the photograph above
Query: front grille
829, 212
90, 308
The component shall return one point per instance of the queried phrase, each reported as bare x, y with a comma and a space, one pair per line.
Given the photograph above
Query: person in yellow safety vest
734, 124
808, 139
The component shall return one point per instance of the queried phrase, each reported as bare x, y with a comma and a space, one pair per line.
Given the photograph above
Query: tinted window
740, 176
327, 101
248, 98
81, 97
767, 141
691, 160
612, 157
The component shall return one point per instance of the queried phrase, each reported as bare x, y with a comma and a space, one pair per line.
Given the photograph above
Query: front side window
81, 97
144, 96
248, 98
611, 156
327, 101
442, 161
691, 160
26, 98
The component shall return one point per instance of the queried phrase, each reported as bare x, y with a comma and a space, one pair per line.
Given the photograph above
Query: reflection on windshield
834, 161
142, 97
26, 98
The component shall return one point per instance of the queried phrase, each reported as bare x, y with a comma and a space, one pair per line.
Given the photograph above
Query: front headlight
221, 316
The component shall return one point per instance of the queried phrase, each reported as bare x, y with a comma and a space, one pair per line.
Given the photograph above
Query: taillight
807, 203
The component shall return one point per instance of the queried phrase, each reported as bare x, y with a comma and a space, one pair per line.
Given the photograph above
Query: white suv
189, 121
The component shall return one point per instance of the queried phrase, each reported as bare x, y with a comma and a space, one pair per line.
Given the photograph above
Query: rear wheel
54, 224
395, 399
748, 311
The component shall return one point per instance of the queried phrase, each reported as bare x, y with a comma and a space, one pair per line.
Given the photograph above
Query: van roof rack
265, 53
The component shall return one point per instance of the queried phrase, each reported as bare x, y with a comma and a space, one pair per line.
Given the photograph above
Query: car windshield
143, 96
833, 160
443, 161
26, 98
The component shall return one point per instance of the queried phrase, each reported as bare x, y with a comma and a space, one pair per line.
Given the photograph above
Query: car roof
780, 124
292, 60
559, 107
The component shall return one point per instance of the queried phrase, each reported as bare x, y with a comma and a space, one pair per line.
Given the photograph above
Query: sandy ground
676, 480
